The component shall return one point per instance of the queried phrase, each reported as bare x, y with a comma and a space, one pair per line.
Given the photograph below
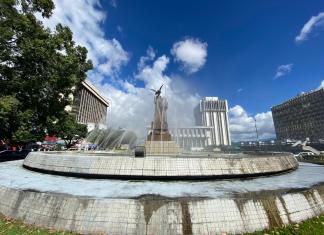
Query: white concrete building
212, 112
192, 138
90, 107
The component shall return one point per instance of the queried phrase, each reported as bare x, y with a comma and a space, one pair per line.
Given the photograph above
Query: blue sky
251, 53
247, 41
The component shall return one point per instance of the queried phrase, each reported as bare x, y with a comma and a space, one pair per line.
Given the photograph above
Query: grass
14, 227
314, 226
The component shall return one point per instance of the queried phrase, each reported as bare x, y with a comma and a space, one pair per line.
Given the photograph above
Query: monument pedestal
157, 135
162, 148
159, 140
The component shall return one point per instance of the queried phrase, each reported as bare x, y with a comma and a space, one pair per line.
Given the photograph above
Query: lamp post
256, 131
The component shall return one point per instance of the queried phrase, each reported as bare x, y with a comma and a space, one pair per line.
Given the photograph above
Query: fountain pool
113, 206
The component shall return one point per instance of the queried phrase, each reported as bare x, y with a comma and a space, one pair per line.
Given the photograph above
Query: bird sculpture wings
157, 92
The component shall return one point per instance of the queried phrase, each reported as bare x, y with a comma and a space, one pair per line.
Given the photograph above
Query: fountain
165, 192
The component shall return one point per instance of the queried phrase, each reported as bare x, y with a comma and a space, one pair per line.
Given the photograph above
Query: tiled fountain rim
182, 155
224, 166
150, 214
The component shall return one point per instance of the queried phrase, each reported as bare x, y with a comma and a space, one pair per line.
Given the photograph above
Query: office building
300, 117
213, 112
90, 107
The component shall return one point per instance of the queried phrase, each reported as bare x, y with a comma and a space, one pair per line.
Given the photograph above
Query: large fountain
113, 193
164, 159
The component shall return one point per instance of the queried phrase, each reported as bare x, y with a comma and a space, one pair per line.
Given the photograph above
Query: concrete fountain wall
157, 215
163, 167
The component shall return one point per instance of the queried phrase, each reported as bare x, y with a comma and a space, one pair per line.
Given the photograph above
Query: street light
256, 130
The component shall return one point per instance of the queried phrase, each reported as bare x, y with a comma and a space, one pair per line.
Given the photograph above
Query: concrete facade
90, 107
192, 138
160, 167
212, 112
152, 214
300, 117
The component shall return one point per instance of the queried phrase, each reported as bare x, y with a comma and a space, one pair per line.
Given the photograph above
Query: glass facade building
301, 117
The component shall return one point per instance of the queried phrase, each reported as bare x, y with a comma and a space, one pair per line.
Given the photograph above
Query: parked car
3, 147
11, 155
305, 154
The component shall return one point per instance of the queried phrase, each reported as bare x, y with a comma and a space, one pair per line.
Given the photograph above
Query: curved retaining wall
191, 167
156, 215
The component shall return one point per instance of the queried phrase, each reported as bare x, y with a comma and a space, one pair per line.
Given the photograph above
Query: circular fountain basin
189, 167
110, 206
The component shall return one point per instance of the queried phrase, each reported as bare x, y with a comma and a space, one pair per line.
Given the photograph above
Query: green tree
70, 131
15, 124
39, 69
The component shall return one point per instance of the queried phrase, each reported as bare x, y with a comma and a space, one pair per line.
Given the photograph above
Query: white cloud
191, 53
132, 106
321, 85
150, 55
85, 19
119, 29
242, 126
113, 3
283, 70
312, 23
239, 90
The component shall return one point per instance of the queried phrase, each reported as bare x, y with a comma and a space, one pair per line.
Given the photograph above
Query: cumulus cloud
308, 28
119, 29
283, 70
85, 19
113, 3
191, 53
242, 126
150, 55
132, 107
321, 85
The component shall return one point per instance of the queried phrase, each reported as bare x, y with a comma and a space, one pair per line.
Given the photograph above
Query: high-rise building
90, 107
212, 112
300, 117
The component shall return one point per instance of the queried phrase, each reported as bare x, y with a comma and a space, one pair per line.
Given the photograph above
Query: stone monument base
159, 136
162, 148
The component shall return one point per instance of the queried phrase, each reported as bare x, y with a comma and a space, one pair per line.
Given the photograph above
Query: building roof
210, 98
304, 94
87, 85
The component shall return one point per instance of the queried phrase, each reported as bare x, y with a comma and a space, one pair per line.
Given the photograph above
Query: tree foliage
14, 122
70, 131
39, 69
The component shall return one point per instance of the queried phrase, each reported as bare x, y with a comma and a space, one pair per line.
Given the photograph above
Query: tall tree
39, 68
70, 131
